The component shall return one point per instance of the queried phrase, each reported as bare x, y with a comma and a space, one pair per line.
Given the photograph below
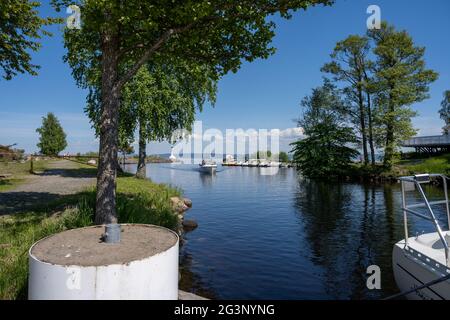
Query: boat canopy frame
417, 181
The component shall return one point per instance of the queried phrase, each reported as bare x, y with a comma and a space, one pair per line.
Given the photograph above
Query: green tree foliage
125, 148
350, 65
20, 31
444, 112
401, 79
326, 151
119, 37
164, 99
159, 100
52, 138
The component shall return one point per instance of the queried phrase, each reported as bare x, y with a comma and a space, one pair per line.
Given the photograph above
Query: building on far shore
429, 144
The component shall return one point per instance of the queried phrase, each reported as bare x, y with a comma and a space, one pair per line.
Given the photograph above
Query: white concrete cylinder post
76, 264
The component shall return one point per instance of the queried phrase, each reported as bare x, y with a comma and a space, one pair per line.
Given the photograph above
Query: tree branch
145, 57
283, 5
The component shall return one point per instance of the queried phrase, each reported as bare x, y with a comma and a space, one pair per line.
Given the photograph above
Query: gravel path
62, 177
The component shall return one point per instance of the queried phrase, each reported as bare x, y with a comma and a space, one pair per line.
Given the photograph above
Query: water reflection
206, 179
284, 237
192, 282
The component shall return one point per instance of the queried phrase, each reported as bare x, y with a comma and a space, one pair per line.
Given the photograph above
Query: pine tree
52, 137
401, 79
350, 65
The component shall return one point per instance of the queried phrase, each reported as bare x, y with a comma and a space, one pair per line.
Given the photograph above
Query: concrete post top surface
83, 247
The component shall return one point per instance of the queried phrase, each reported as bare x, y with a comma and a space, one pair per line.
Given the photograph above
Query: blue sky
263, 94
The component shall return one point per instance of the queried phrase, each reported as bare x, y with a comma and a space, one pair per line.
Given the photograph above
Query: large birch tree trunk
105, 209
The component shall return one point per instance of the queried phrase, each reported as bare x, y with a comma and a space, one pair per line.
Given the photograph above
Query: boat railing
417, 182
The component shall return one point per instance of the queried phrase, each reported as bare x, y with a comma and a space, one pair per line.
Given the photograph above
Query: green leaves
326, 151
164, 98
218, 33
52, 138
400, 80
379, 93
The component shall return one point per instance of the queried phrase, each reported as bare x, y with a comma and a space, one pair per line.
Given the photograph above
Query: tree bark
389, 147
141, 171
105, 209
362, 119
370, 118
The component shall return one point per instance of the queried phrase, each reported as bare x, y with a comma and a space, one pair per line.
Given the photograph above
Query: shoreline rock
189, 225
180, 206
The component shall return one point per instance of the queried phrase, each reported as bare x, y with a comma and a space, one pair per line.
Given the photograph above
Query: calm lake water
284, 237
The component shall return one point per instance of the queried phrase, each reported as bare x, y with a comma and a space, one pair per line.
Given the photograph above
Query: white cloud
291, 133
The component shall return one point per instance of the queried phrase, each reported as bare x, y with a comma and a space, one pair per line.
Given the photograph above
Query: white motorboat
263, 163
208, 167
421, 263
229, 161
253, 162
274, 164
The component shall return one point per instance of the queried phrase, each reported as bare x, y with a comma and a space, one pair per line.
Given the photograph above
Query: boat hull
412, 269
208, 170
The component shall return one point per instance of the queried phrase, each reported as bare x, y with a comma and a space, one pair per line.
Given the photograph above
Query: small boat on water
253, 162
229, 161
423, 260
208, 167
274, 164
263, 163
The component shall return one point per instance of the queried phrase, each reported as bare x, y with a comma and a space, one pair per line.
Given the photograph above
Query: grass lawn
138, 201
437, 164
19, 172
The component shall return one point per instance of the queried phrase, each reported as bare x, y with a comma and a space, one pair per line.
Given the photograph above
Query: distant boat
263, 163
253, 162
274, 164
229, 161
208, 167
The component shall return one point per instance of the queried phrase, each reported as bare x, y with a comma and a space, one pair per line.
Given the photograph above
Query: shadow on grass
71, 173
5, 182
37, 202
